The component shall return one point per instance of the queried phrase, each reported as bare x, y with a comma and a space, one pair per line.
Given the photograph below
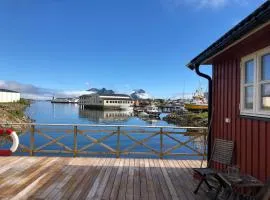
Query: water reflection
98, 116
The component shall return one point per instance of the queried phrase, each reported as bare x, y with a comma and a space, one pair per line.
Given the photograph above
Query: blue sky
117, 44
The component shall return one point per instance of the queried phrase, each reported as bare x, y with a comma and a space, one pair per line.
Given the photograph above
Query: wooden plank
94, 189
176, 179
109, 186
187, 166
124, 181
143, 180
49, 185
137, 187
262, 151
168, 180
157, 185
249, 146
129, 192
94, 166
150, 181
100, 178
29, 191
186, 179
255, 150
117, 181
29, 176
164, 187
101, 181
59, 187
72, 185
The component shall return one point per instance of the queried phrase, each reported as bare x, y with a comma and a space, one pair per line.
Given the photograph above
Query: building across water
7, 96
104, 101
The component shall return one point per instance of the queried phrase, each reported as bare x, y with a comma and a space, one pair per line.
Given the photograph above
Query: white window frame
256, 111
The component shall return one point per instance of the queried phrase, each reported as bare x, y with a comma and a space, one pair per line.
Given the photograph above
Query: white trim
256, 111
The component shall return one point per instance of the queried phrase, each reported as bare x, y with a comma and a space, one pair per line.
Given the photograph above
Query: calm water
48, 113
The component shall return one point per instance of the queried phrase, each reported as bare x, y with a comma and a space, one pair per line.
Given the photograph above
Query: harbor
126, 100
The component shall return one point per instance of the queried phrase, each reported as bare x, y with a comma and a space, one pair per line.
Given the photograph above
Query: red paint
4, 152
252, 150
6, 131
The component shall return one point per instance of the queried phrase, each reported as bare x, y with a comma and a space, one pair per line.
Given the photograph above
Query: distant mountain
140, 94
101, 91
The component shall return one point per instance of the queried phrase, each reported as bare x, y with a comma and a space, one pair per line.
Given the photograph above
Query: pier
97, 178
98, 162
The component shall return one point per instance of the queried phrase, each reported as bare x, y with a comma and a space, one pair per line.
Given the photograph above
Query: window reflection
265, 70
249, 71
249, 97
265, 96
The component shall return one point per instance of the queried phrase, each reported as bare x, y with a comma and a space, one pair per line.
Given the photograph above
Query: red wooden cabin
239, 90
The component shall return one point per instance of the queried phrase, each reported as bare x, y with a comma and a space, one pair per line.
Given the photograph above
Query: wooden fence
115, 140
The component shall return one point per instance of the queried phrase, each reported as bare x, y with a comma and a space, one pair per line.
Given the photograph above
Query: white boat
143, 114
60, 100
152, 111
65, 100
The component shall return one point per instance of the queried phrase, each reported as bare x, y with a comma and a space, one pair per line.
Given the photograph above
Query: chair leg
208, 185
199, 185
218, 191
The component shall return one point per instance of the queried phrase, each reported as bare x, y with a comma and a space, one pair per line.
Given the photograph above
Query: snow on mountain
140, 94
101, 91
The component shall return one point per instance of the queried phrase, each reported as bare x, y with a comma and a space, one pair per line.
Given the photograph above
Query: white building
112, 101
9, 96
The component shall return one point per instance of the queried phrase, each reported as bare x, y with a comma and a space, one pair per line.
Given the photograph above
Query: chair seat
205, 171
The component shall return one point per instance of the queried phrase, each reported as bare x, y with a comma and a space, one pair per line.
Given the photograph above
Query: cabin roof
256, 19
5, 90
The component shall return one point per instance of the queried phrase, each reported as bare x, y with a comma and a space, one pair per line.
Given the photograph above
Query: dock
25, 177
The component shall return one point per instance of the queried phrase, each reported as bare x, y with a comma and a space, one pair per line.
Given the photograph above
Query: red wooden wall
252, 136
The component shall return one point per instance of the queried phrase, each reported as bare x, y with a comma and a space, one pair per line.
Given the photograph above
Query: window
255, 84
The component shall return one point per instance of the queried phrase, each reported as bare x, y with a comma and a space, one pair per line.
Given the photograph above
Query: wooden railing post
118, 143
75, 147
32, 140
161, 144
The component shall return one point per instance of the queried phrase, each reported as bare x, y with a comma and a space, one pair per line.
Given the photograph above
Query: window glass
249, 71
265, 67
249, 97
265, 96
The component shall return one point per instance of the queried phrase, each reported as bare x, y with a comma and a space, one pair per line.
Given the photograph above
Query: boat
143, 114
152, 111
198, 102
65, 100
60, 100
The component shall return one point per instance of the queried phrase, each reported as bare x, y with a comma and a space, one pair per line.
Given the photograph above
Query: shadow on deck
96, 178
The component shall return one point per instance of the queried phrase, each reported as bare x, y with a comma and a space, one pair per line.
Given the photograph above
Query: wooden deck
96, 178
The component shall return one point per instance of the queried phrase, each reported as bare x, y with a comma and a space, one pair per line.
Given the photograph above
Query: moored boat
198, 102
152, 111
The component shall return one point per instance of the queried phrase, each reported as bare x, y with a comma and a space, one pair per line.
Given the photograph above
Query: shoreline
14, 112
187, 119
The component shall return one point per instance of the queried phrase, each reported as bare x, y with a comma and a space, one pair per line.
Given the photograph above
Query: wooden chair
222, 153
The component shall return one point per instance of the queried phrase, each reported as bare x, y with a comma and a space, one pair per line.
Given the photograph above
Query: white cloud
35, 92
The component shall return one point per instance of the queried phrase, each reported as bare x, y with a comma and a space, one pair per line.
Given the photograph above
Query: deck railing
114, 140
